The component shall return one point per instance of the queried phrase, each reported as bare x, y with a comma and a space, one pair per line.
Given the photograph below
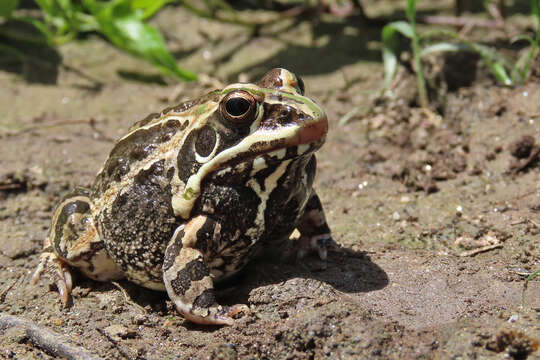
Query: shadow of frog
345, 271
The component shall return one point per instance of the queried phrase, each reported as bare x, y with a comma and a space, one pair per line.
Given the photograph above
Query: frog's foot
187, 276
56, 270
316, 243
215, 315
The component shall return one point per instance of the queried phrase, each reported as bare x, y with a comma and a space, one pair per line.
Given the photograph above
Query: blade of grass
389, 40
495, 62
529, 278
522, 67
421, 83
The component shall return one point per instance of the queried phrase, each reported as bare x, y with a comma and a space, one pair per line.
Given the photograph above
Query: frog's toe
318, 243
56, 270
237, 309
216, 315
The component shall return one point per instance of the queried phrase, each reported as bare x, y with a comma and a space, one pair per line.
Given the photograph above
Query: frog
189, 195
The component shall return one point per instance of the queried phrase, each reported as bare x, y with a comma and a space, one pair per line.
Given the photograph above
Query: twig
4, 187
97, 84
480, 250
128, 299
461, 22
518, 222
524, 221
115, 344
289, 13
91, 121
50, 341
46, 125
4, 292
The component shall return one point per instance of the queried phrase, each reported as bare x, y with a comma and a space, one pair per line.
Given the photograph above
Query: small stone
405, 199
139, 319
118, 332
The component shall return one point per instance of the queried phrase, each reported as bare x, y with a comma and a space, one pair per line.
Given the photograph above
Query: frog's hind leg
314, 230
188, 278
73, 240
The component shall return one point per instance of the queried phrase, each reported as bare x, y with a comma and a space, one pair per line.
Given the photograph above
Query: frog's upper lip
310, 133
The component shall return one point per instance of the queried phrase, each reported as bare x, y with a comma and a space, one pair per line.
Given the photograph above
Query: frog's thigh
187, 278
75, 240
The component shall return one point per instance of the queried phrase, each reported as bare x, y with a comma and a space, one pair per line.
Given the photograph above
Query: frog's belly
261, 215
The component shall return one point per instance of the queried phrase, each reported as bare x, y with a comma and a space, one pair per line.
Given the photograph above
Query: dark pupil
237, 106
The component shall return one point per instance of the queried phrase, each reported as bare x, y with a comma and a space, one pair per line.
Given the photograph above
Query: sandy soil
408, 193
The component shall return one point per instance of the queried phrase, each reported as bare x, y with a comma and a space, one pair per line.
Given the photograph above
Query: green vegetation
389, 40
449, 41
122, 22
529, 278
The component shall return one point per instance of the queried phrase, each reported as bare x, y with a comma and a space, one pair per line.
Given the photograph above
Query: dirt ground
409, 195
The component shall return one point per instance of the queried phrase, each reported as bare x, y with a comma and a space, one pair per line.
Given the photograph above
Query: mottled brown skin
188, 196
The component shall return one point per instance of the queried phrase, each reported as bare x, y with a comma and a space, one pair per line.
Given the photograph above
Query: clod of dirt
468, 242
526, 154
17, 245
522, 148
118, 332
225, 352
22, 181
516, 344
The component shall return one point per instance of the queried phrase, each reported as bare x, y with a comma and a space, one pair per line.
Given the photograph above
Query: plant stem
421, 83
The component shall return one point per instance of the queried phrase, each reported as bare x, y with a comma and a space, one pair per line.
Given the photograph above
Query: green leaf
389, 39
444, 47
129, 33
7, 7
522, 67
48, 7
149, 7
404, 28
410, 10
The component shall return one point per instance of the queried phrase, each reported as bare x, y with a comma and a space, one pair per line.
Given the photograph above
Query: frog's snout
313, 131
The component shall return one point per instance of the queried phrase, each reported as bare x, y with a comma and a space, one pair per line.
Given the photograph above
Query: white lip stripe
270, 183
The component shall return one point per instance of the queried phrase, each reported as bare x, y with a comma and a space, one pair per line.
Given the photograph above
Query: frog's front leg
314, 231
187, 276
73, 240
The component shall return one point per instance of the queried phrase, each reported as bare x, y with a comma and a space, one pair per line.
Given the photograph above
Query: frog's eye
239, 107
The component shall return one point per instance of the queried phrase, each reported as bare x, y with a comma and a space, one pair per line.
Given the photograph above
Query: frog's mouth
285, 143
310, 133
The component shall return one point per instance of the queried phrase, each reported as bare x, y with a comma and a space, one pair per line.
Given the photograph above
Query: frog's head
270, 120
